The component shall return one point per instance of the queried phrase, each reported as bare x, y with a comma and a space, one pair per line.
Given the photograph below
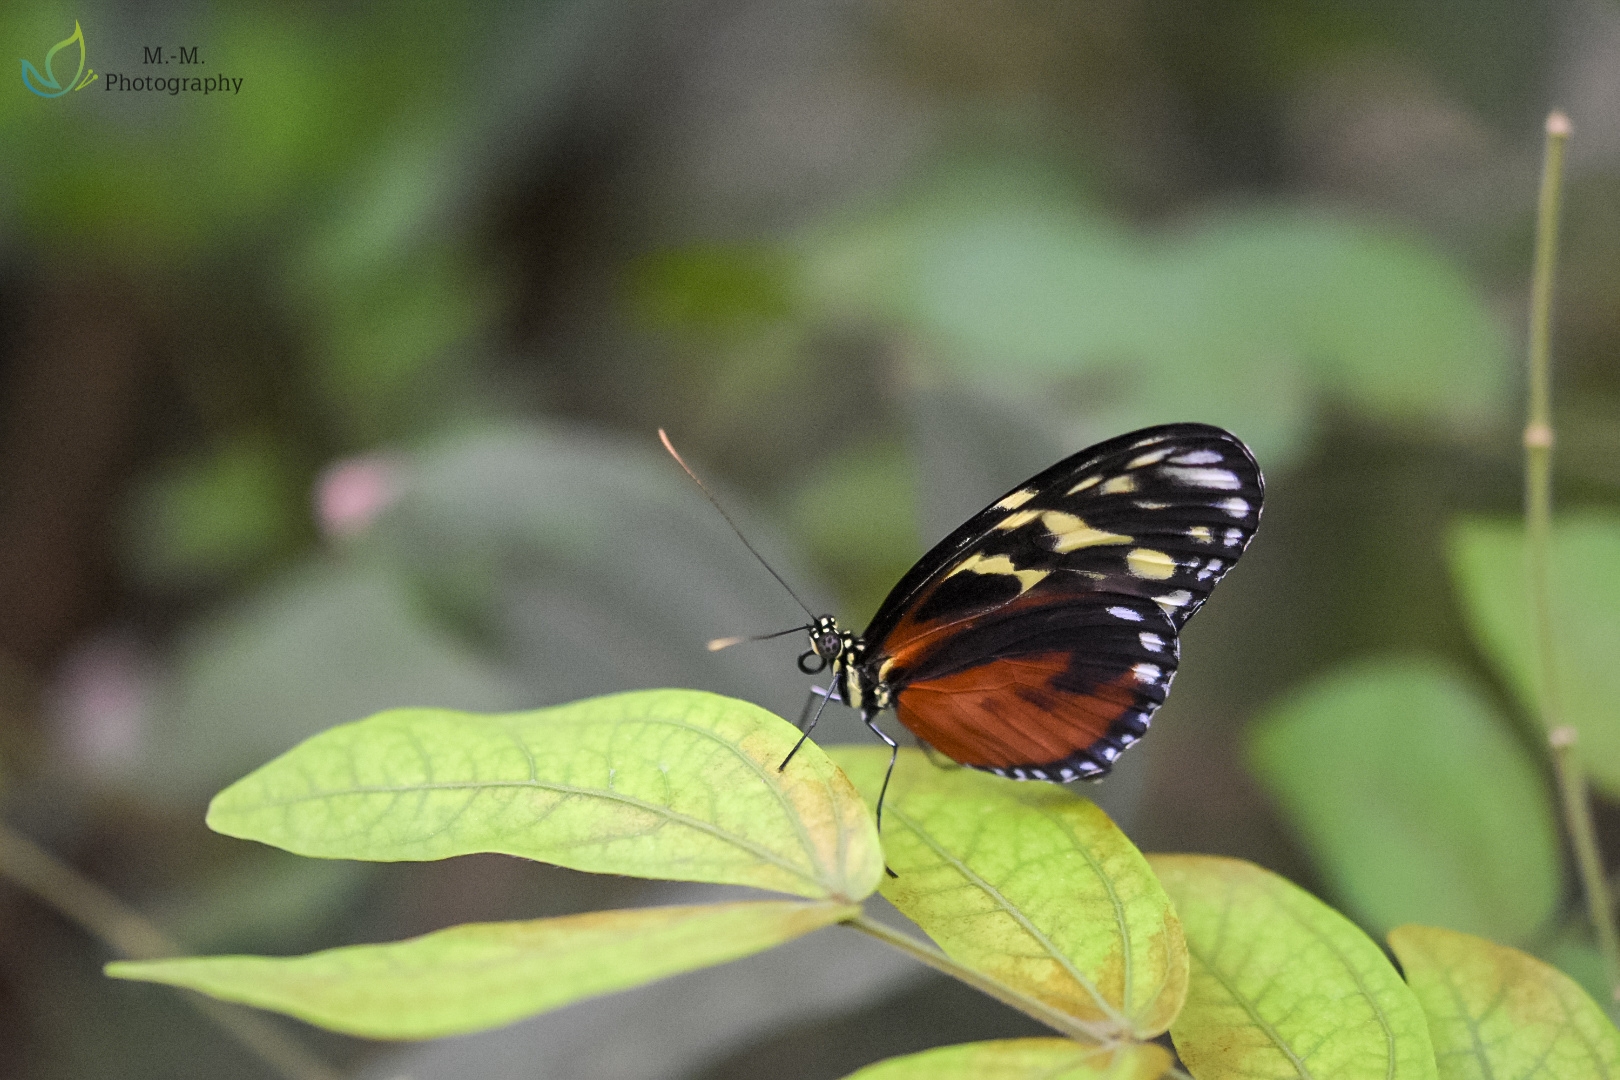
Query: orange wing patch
1007, 713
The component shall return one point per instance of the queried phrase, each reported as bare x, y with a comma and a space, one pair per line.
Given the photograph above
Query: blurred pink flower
351, 493
99, 700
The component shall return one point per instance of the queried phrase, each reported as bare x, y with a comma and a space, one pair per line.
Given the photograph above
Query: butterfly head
829, 646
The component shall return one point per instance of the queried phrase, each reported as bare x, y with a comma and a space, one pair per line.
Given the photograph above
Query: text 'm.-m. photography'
191, 81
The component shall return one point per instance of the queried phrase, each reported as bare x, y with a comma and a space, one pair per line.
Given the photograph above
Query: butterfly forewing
1039, 638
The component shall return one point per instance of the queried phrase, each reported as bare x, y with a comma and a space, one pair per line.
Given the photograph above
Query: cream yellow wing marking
1150, 564
1152, 457
1120, 485
979, 563
1201, 534
1017, 499
1069, 533
1090, 481
1017, 519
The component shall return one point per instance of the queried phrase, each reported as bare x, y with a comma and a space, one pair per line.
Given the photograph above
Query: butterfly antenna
713, 646
727, 642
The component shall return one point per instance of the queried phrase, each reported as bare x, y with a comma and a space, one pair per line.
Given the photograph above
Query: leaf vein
1052, 952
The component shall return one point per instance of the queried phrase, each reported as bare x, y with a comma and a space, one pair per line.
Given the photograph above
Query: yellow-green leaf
1497, 1014
1487, 560
1031, 885
657, 783
484, 975
1283, 985
1025, 1059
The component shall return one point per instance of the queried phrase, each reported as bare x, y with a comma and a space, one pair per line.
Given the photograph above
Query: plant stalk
1562, 738
1071, 1026
132, 937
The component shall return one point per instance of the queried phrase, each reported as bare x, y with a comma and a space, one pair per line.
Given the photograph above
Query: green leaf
1283, 985
1487, 561
1032, 886
483, 975
1496, 1013
1024, 1059
1456, 827
657, 783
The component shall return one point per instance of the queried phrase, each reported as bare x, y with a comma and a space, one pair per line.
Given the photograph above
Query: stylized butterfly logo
46, 85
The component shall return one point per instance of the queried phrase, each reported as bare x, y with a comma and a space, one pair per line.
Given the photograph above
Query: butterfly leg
870, 719
815, 692
806, 729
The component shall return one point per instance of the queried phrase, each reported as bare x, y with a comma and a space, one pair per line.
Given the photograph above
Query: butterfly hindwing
1050, 692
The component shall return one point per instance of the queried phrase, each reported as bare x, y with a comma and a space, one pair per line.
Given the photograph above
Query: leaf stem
1071, 1026
105, 917
1538, 444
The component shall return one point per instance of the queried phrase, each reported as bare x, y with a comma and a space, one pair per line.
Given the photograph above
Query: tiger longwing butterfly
1038, 639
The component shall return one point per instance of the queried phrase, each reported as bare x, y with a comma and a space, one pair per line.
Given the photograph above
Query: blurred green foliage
1416, 800
1019, 287
856, 512
1014, 281
1488, 563
150, 180
219, 514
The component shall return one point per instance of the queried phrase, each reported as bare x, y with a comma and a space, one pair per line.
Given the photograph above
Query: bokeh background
340, 393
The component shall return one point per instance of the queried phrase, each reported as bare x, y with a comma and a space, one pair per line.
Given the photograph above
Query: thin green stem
104, 916
1538, 445
1058, 1021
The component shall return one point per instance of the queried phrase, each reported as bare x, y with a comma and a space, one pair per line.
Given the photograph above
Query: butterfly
1038, 639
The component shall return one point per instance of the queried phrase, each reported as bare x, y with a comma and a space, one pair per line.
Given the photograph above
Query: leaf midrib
1259, 1021
1018, 916
806, 842
1469, 1020
1355, 975
698, 824
1270, 1031
1120, 922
